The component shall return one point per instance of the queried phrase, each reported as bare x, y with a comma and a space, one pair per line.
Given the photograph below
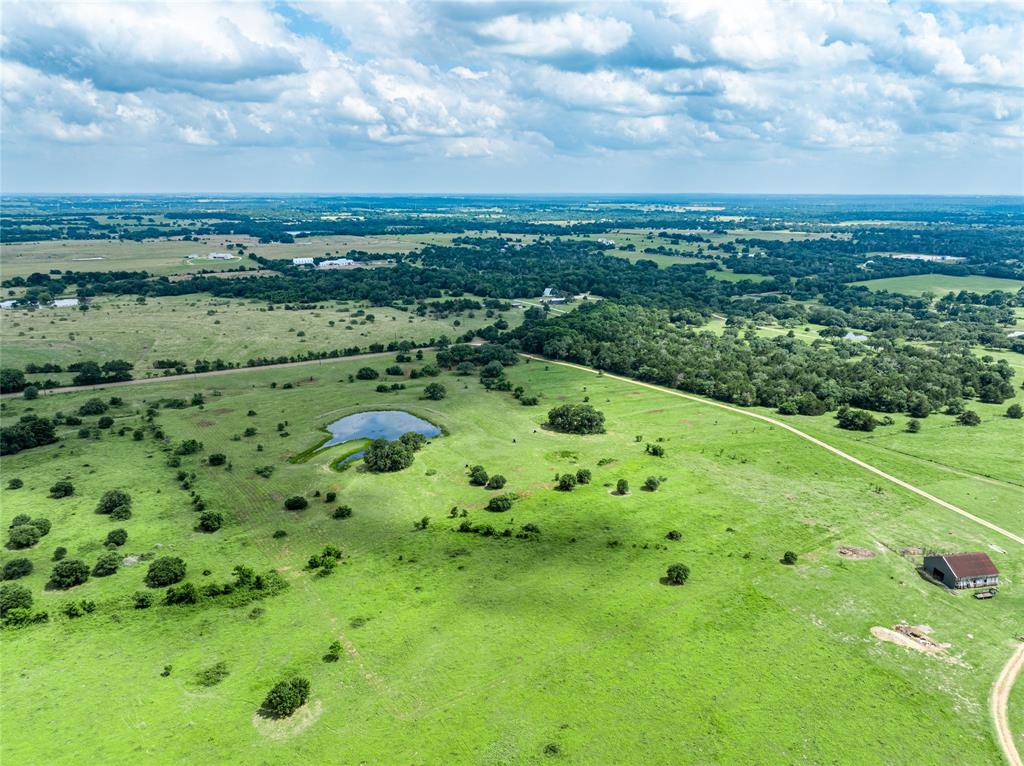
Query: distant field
727, 275
941, 284
751, 662
200, 327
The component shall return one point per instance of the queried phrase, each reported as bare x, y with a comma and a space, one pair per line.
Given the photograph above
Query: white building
7, 304
220, 256
609, 242
336, 263
302, 261
65, 303
855, 337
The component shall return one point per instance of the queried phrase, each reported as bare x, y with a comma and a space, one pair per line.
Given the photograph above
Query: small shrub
969, 418
43, 525
622, 487
217, 458
114, 499
674, 535
435, 391
212, 675
59, 552
105, 422
22, 536
164, 571
566, 482
106, 565
296, 503
62, 489
789, 558
655, 450
677, 574
478, 476
583, 476
651, 483
93, 407
413, 440
496, 481
367, 373
286, 697
333, 652
279, 533
15, 484
210, 521
68, 573
188, 447
330, 497
16, 568
1015, 412
14, 597
341, 512
179, 595
142, 600
499, 504
117, 537
913, 426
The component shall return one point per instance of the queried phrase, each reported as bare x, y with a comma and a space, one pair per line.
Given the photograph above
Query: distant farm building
548, 292
65, 303
220, 256
7, 304
855, 337
608, 242
302, 261
962, 570
336, 263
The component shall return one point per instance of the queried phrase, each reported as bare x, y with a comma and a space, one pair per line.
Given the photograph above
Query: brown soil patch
286, 728
851, 552
910, 636
204, 423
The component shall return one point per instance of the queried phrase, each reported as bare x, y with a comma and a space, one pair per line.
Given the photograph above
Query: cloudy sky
410, 96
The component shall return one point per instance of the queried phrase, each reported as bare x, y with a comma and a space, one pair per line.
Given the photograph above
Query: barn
962, 570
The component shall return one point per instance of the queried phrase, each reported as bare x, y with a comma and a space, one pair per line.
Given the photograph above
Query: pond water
377, 424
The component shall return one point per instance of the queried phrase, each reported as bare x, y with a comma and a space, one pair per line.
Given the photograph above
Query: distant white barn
7, 304
336, 263
220, 256
548, 292
855, 337
65, 303
302, 261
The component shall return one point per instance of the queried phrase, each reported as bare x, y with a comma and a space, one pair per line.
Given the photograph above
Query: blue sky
673, 96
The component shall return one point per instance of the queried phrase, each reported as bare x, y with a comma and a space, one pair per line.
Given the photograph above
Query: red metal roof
970, 565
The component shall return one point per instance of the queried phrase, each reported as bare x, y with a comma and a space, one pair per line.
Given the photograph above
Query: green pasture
939, 284
201, 327
460, 648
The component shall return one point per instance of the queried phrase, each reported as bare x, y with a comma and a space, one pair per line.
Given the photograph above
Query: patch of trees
383, 456
115, 503
286, 697
16, 568
164, 571
576, 419
772, 372
28, 432
25, 532
68, 573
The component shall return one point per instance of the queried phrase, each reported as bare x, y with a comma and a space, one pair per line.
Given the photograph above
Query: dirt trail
1000, 697
813, 440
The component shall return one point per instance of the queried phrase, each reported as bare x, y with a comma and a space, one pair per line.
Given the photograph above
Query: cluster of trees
778, 372
576, 419
29, 431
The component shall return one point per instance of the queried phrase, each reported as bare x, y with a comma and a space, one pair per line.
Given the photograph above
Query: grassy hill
465, 648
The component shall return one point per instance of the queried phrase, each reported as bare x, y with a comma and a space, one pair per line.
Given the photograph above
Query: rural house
302, 261
962, 570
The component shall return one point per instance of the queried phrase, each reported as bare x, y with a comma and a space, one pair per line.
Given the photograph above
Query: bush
15, 484
330, 497
181, 594
367, 373
913, 426
165, 571
1014, 411
393, 370
968, 418
68, 573
622, 487
576, 419
21, 518
497, 481
655, 449
14, 597
435, 391
16, 568
296, 503
677, 574
117, 537
93, 407
212, 675
583, 476
566, 482
383, 456
22, 536
142, 600
188, 447
789, 558
210, 521
106, 565
114, 500
674, 534
651, 483
333, 652
413, 440
105, 422
279, 533
342, 512
30, 393
59, 552
499, 504
43, 525
217, 458
856, 420
286, 697
62, 489
477, 476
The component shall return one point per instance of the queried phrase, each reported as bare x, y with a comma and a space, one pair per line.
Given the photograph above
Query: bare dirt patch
911, 636
286, 728
204, 423
852, 552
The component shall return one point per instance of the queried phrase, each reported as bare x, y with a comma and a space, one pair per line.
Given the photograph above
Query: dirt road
1000, 697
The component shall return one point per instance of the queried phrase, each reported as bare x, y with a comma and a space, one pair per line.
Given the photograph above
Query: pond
377, 424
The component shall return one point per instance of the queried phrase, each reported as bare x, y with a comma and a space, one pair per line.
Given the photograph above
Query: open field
200, 327
940, 284
743, 665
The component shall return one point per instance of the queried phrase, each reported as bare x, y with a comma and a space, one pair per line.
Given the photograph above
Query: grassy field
940, 284
460, 648
200, 327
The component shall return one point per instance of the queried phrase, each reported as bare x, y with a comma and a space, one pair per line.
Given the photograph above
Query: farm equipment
981, 595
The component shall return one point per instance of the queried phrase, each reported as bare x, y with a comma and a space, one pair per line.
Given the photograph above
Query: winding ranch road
1003, 684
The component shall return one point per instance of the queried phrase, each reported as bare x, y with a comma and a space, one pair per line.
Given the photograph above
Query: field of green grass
460, 648
201, 327
939, 284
